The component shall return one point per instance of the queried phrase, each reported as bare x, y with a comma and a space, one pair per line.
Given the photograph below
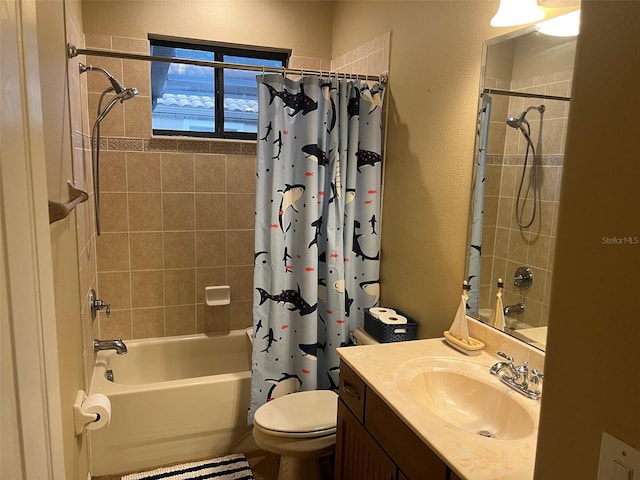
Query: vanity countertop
470, 455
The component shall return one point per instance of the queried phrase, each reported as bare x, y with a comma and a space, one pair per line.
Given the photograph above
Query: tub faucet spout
117, 345
517, 308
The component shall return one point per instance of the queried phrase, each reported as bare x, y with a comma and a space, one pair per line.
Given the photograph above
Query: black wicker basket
385, 333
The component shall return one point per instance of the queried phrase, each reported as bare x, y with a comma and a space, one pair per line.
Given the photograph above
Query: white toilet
301, 428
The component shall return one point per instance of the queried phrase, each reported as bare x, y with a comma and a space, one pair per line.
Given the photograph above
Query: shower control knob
523, 278
96, 304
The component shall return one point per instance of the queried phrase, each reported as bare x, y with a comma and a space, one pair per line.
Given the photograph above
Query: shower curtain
477, 207
317, 243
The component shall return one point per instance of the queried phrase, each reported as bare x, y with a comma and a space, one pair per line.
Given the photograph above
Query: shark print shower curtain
477, 207
317, 243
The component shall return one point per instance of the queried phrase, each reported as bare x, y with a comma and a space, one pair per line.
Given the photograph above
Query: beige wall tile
112, 252
211, 211
147, 289
492, 179
241, 315
240, 247
517, 248
147, 322
548, 182
146, 250
145, 212
143, 172
137, 74
538, 254
505, 212
113, 172
132, 45
490, 210
212, 319
211, 248
180, 320
117, 325
210, 173
240, 210
241, 282
137, 117
115, 287
113, 212
180, 287
510, 181
241, 174
179, 250
177, 172
178, 211
94, 40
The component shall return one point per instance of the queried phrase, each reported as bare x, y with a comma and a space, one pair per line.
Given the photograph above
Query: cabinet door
358, 456
352, 390
410, 453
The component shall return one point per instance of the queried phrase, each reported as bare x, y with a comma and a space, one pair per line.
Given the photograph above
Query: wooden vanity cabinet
373, 443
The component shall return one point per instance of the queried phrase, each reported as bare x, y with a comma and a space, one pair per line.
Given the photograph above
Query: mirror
522, 120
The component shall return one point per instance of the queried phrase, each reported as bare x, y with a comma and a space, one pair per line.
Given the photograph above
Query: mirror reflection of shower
120, 94
522, 124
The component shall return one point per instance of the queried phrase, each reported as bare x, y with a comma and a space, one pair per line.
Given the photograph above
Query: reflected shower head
516, 122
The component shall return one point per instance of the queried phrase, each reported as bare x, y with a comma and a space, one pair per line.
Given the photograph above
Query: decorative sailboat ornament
458, 334
498, 313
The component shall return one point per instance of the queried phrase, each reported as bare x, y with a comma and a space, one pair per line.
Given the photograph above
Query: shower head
127, 93
115, 84
516, 122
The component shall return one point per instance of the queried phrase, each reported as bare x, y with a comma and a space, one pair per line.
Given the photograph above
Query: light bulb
516, 12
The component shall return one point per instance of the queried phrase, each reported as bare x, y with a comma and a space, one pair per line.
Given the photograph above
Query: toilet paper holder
80, 417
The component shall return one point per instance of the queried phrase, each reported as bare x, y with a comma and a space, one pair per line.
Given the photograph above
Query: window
201, 101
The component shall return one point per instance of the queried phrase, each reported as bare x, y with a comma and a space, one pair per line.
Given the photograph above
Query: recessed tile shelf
218, 295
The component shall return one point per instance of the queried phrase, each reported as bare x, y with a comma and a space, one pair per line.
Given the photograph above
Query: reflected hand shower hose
121, 94
517, 123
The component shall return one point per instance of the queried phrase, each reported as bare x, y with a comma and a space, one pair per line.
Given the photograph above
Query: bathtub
173, 399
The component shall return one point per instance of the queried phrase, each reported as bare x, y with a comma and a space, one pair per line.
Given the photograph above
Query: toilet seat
300, 414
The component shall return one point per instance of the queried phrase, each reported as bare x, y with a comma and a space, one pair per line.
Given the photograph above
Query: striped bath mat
231, 467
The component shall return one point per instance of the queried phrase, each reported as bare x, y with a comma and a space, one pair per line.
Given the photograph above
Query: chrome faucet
517, 308
117, 345
519, 378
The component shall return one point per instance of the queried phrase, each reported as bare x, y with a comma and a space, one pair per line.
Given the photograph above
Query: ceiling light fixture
516, 12
563, 26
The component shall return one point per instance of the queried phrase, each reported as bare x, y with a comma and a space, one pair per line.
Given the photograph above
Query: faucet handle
505, 356
535, 380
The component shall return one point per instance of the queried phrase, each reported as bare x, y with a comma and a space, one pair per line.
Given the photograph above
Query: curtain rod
511, 93
73, 51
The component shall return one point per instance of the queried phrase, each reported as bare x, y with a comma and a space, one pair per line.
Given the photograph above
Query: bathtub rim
99, 383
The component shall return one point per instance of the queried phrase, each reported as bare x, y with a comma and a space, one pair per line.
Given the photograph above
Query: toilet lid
300, 412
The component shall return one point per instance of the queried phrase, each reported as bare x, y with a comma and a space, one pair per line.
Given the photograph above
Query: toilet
301, 428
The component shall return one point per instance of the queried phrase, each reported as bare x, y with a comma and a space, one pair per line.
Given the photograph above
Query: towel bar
58, 211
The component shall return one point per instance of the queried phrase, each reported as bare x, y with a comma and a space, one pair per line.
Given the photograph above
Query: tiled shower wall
176, 215
505, 245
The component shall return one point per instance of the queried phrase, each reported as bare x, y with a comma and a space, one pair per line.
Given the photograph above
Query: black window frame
219, 50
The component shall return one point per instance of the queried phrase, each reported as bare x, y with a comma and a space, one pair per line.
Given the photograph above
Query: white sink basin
465, 395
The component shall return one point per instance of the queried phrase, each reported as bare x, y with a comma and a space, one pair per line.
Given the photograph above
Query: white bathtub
173, 399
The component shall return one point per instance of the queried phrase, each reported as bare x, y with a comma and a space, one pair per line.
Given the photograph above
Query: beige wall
436, 50
591, 377
305, 25
60, 169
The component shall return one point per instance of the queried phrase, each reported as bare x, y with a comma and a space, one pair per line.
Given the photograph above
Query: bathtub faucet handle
97, 304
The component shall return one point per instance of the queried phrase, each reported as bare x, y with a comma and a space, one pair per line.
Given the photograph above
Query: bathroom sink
466, 396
